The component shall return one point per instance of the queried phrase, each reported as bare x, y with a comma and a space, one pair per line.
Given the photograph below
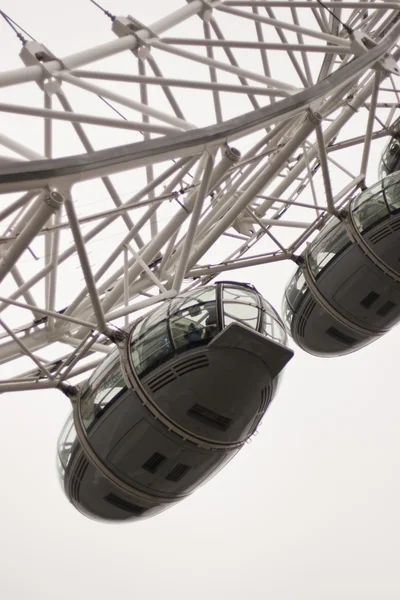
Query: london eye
154, 174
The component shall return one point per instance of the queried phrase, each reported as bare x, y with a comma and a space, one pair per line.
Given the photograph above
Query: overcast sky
307, 511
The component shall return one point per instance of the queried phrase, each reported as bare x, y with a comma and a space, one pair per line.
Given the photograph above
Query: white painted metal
163, 123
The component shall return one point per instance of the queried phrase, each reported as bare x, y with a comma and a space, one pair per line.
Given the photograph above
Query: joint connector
299, 260
34, 53
71, 391
232, 153
54, 199
361, 42
123, 26
207, 9
117, 336
314, 116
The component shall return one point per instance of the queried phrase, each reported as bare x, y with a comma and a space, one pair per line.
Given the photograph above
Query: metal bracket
362, 42
71, 391
54, 199
206, 12
313, 113
123, 26
34, 53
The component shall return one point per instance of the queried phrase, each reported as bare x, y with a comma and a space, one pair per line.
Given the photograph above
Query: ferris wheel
134, 173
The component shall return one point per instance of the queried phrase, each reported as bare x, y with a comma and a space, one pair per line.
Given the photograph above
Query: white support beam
331, 39
208, 159
48, 204
85, 265
181, 83
143, 109
370, 123
284, 88
59, 115
25, 350
283, 47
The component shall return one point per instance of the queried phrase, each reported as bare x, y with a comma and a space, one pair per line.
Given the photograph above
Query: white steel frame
291, 142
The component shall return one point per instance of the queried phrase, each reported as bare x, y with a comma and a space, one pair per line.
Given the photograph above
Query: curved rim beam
39, 173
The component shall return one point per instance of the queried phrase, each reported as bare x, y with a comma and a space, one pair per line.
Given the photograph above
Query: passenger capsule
347, 291
174, 403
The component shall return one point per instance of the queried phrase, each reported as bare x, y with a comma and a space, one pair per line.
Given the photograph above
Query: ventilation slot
181, 368
369, 299
266, 397
191, 364
178, 472
385, 308
343, 338
379, 235
122, 504
209, 417
151, 465
80, 470
161, 380
303, 318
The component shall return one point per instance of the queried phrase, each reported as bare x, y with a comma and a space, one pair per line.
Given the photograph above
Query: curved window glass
65, 443
392, 192
295, 291
271, 323
390, 158
377, 203
184, 322
194, 318
287, 313
328, 244
110, 361
241, 305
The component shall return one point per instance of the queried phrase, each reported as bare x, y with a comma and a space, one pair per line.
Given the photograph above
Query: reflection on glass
240, 305
273, 329
327, 245
296, 289
194, 297
377, 203
194, 325
111, 360
187, 321
152, 348
96, 397
392, 193
287, 313
391, 158
193, 319
66, 440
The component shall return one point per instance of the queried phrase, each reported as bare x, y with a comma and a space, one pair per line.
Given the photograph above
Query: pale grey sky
307, 511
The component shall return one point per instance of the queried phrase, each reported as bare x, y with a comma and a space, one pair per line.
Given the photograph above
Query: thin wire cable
106, 12
349, 30
14, 26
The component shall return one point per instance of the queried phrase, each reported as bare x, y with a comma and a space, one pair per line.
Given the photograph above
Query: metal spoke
214, 139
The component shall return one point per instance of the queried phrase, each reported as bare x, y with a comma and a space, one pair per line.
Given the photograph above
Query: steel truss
202, 154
